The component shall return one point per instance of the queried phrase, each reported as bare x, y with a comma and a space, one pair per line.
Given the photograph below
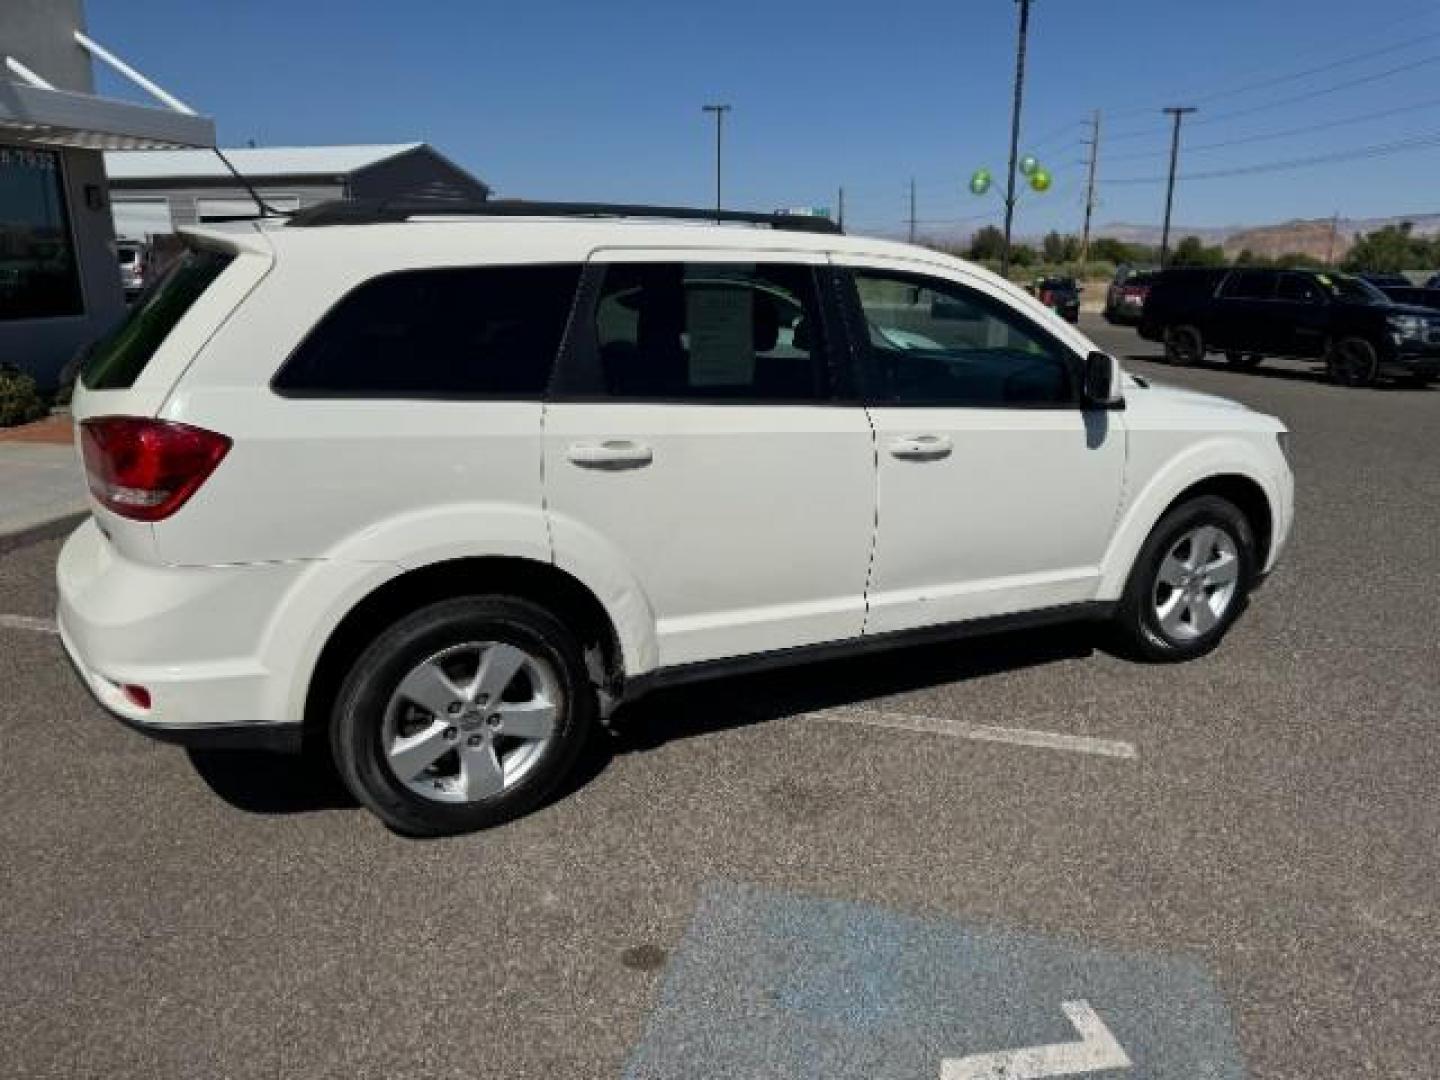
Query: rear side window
711, 332
473, 332
116, 360
1249, 285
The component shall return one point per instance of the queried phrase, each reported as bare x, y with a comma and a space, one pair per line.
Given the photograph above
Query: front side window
934, 342
1300, 288
710, 332
481, 332
39, 278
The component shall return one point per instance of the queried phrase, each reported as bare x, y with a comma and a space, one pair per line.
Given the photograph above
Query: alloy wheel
471, 721
1197, 582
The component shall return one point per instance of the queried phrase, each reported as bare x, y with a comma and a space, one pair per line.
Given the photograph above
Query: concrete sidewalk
40, 477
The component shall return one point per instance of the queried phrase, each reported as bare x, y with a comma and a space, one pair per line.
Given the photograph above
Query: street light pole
719, 111
1178, 112
1015, 131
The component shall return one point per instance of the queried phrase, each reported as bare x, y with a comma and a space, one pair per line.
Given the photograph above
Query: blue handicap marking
767, 984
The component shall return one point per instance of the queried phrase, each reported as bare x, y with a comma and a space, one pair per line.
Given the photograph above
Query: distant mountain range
1310, 236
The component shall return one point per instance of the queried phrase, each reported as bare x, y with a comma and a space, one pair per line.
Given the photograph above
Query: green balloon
1028, 165
1040, 180
980, 182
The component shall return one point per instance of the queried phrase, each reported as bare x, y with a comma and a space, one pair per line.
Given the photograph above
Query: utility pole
1015, 130
1094, 142
912, 210
1330, 250
719, 111
1178, 112
840, 209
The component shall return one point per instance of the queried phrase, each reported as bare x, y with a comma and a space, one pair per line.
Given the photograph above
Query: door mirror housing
1103, 381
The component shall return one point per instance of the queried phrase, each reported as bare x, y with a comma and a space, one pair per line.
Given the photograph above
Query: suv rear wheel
1190, 580
1184, 345
463, 714
1353, 362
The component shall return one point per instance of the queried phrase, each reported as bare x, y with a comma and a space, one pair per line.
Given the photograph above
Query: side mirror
1102, 386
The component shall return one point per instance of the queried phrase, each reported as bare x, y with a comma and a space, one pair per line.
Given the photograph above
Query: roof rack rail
374, 211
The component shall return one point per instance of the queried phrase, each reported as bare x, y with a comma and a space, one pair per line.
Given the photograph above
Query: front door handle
611, 454
921, 447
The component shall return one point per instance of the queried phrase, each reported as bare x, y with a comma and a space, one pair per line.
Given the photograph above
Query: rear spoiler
246, 238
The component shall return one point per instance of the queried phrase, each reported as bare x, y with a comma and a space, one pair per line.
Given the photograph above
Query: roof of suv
543, 238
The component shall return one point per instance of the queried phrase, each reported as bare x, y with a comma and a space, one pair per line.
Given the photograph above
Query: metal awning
37, 114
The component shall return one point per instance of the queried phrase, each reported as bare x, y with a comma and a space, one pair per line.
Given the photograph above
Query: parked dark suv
1249, 314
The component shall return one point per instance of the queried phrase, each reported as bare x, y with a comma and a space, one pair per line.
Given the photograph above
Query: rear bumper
191, 637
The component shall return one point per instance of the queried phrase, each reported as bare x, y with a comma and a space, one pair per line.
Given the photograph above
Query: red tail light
146, 469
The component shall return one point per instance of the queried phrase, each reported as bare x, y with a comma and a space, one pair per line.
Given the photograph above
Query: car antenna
266, 210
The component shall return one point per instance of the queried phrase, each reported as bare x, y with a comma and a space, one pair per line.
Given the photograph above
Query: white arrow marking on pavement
1096, 1050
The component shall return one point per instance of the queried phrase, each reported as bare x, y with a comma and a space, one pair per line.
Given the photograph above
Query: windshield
1352, 288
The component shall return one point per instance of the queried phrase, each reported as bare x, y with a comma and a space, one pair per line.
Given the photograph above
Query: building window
39, 278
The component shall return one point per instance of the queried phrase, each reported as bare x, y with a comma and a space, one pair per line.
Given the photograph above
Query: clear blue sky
551, 99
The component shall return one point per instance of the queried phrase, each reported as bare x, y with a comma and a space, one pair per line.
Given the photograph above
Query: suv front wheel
1353, 362
1190, 580
463, 714
1184, 345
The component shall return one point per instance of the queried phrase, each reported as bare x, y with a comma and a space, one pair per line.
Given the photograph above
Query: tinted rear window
1249, 285
484, 332
116, 360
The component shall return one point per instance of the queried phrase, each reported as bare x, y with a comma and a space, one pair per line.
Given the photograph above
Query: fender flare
331, 587
1209, 460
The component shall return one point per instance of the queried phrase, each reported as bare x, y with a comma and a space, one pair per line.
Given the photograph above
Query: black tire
358, 719
1244, 361
1184, 345
1353, 361
1137, 618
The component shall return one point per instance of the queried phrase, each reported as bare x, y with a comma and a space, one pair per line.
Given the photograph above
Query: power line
1142, 133
1288, 133
1310, 94
1422, 11
1357, 154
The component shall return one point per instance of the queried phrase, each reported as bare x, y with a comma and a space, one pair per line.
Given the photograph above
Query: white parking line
28, 622
1049, 740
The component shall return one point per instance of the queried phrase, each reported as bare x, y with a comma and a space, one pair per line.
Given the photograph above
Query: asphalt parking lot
1223, 869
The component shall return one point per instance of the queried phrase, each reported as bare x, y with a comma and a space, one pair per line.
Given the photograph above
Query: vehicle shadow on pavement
706, 708
261, 782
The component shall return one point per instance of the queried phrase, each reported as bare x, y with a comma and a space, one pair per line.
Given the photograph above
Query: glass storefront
39, 277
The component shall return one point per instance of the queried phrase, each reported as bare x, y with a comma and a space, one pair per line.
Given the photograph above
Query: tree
1060, 249
1390, 250
987, 243
1191, 252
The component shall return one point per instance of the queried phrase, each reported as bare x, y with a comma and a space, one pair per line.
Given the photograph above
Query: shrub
20, 400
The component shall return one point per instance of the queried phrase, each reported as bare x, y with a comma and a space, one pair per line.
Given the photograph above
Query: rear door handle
611, 454
921, 447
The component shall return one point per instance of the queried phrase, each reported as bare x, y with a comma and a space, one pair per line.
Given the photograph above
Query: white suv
444, 488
